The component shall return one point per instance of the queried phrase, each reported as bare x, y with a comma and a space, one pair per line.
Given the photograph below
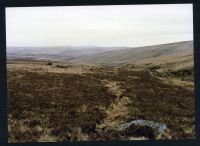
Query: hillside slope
124, 56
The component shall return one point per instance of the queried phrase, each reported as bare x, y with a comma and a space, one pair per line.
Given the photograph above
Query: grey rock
159, 128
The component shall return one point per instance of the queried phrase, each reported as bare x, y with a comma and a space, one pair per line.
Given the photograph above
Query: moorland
73, 95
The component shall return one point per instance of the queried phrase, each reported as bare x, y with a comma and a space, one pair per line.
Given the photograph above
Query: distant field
63, 101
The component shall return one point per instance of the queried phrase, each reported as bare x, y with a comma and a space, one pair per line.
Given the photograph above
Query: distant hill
113, 56
55, 53
133, 55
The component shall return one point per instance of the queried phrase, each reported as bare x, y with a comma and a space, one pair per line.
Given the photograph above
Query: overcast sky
128, 25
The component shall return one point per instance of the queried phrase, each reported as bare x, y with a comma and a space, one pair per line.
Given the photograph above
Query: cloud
121, 25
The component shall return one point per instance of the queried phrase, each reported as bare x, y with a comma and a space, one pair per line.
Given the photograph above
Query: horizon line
90, 46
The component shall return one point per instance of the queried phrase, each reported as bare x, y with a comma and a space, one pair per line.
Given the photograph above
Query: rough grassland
47, 105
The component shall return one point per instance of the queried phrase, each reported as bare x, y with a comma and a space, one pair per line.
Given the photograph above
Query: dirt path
117, 111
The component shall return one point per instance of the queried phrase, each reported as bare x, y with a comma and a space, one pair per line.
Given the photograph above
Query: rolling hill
133, 55
57, 53
174, 56
141, 53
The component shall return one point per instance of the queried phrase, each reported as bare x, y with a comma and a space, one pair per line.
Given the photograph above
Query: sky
110, 26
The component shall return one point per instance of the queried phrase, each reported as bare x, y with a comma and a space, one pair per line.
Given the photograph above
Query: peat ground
79, 103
